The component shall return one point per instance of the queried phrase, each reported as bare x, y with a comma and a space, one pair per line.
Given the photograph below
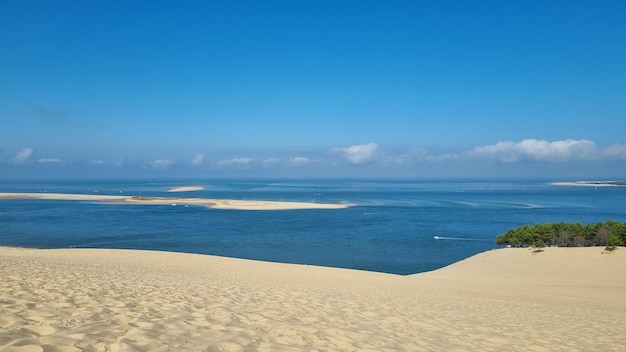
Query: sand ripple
115, 300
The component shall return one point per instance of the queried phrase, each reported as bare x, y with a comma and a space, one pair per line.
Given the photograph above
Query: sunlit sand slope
126, 300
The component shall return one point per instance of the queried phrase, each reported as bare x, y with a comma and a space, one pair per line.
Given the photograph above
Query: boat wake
459, 238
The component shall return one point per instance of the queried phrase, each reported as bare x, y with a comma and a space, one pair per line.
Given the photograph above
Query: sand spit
590, 183
186, 189
122, 300
213, 203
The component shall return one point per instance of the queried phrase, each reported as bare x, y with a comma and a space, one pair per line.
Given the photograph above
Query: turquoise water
391, 228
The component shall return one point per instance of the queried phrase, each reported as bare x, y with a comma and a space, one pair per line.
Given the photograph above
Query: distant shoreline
590, 183
232, 204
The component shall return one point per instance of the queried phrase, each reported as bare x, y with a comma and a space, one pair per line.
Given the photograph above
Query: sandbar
186, 189
232, 204
562, 299
590, 183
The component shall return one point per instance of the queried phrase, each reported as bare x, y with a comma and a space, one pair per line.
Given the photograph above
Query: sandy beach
569, 299
233, 204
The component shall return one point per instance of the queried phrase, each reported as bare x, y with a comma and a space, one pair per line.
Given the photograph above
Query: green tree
565, 234
539, 245
613, 242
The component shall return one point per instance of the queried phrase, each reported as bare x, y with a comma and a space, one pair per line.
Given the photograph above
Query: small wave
459, 204
530, 206
517, 206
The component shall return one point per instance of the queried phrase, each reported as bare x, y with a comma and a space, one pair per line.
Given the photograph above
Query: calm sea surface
391, 228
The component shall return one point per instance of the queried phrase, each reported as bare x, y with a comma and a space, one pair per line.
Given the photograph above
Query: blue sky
312, 89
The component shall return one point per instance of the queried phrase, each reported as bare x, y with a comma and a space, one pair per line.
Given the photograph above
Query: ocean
396, 226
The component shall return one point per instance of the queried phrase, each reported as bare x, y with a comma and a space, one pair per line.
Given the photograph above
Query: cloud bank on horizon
359, 160
555, 151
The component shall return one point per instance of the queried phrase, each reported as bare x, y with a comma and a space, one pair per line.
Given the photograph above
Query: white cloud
162, 163
617, 151
300, 160
23, 155
408, 157
358, 154
97, 162
269, 162
540, 150
49, 161
197, 160
236, 162
418, 155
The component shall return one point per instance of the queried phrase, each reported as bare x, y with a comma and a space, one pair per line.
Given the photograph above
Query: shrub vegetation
610, 234
613, 242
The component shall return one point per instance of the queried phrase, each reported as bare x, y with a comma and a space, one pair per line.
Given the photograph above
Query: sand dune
232, 204
123, 300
